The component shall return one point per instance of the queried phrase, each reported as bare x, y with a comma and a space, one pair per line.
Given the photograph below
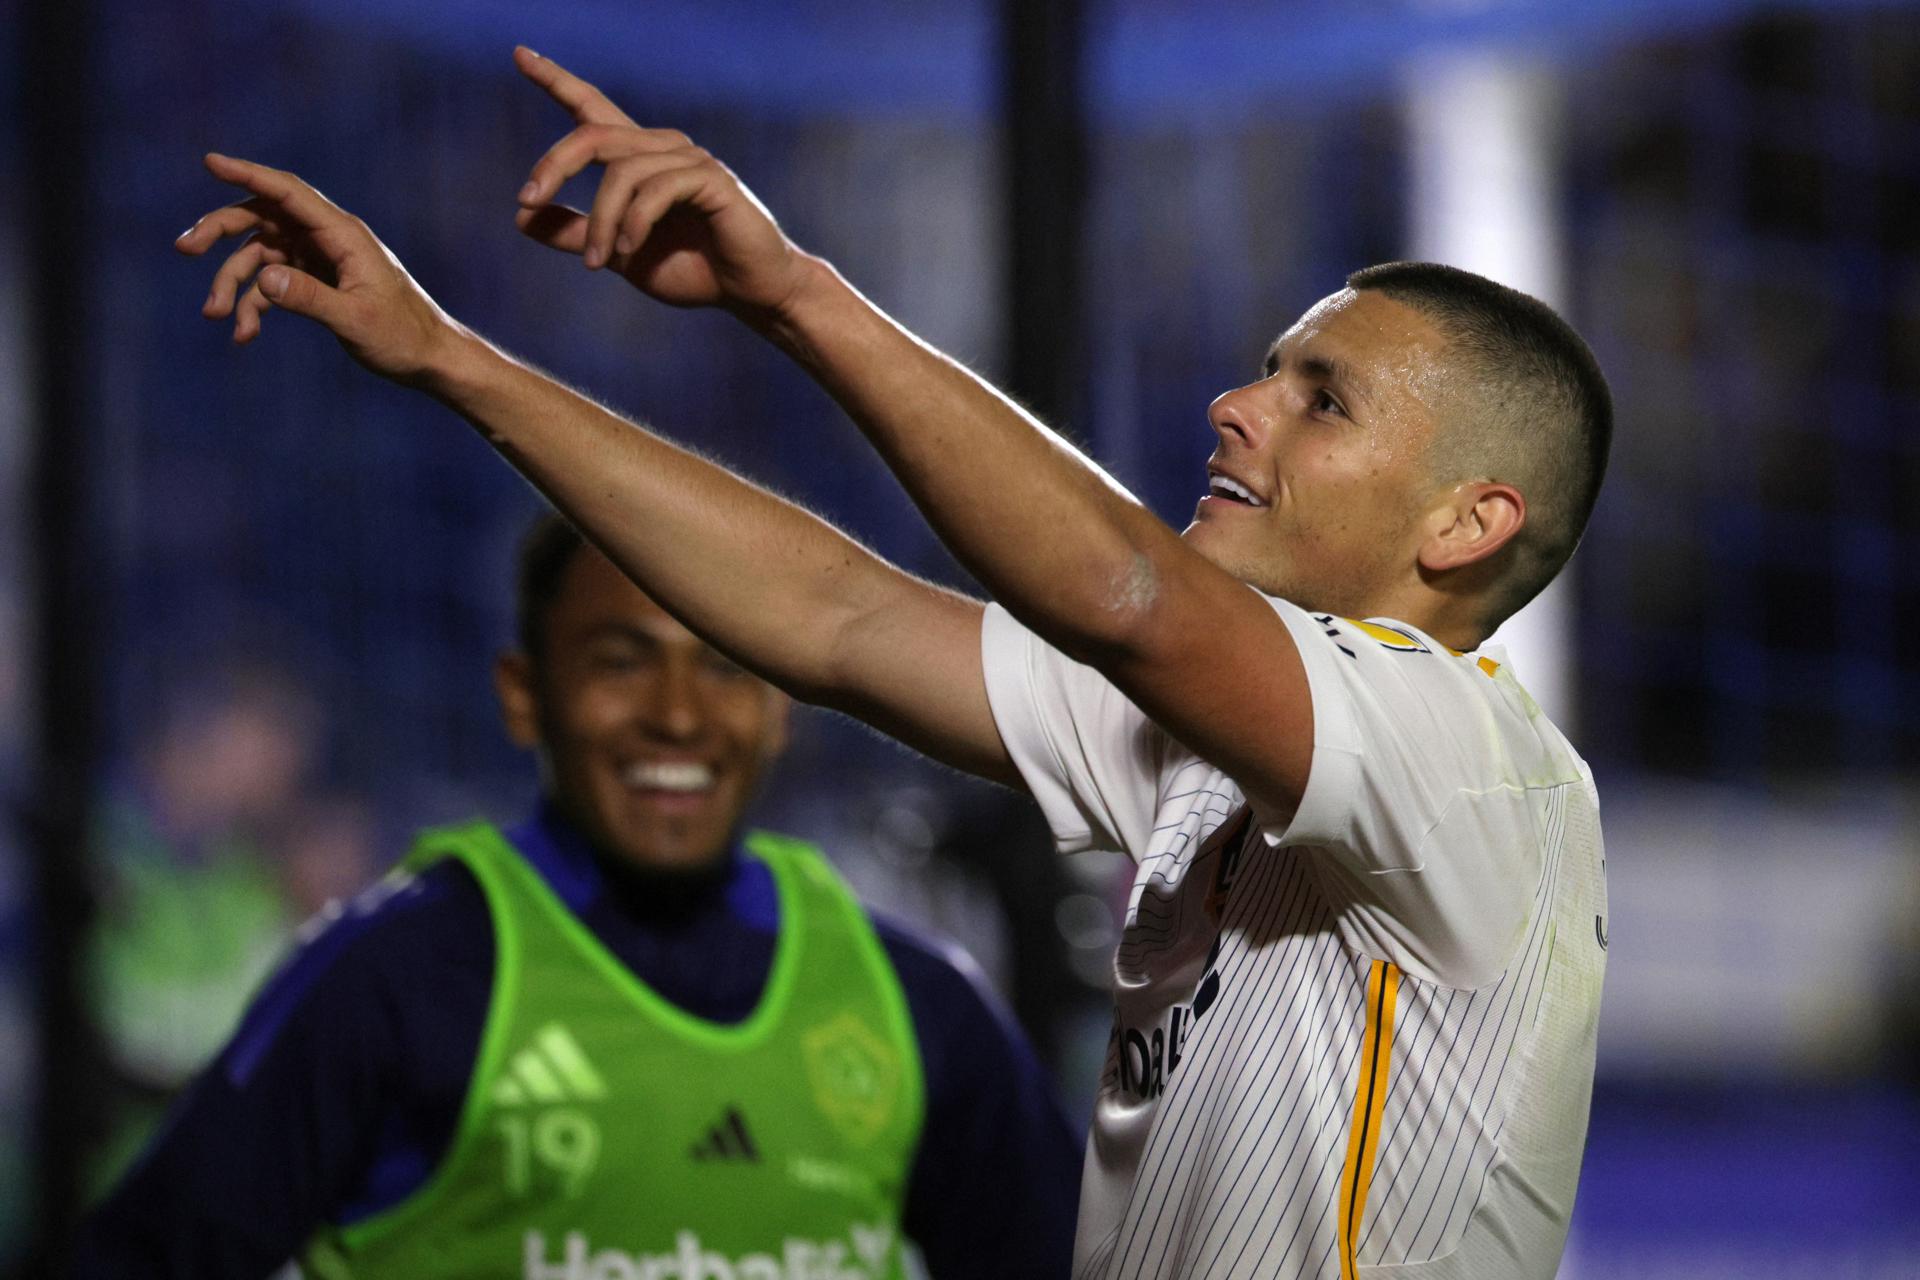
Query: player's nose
1237, 420
673, 708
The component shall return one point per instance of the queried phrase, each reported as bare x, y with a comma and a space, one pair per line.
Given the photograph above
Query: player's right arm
771, 585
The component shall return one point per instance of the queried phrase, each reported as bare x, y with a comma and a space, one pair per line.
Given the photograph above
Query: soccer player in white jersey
1358, 985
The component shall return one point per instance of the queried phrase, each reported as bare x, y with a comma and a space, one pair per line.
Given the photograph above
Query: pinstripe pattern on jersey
1369, 1099
1448, 1105
1250, 1164
1251, 1100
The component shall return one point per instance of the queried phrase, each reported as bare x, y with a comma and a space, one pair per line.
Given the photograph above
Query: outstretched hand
307, 255
668, 216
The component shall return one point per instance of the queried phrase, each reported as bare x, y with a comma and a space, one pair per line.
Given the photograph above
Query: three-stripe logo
727, 1139
550, 1069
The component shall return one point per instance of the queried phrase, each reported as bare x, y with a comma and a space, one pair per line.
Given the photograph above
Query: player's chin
1217, 543
671, 846
1203, 535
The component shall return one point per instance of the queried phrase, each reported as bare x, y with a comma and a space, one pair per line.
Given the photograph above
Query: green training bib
608, 1135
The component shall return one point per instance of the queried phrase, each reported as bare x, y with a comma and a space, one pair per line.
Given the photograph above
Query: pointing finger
298, 200
584, 102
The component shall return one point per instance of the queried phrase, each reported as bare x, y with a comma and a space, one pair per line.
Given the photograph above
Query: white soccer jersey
1361, 1042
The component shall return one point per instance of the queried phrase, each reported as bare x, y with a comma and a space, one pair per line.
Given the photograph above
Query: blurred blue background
297, 575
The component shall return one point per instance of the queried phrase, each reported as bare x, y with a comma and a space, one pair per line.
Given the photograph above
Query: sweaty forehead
1387, 343
1327, 309
1366, 319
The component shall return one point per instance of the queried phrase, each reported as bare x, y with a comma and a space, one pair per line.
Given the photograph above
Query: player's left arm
1054, 538
1066, 549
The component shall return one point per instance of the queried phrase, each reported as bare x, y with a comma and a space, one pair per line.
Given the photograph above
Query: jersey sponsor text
863, 1255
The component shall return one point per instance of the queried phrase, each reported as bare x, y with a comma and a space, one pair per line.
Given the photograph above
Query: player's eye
1324, 401
616, 657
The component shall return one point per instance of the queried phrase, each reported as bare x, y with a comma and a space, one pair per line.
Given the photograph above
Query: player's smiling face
1319, 481
650, 741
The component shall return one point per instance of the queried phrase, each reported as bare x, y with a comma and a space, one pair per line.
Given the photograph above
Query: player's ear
1470, 523
513, 684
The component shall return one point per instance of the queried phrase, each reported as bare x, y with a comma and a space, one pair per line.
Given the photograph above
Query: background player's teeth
670, 777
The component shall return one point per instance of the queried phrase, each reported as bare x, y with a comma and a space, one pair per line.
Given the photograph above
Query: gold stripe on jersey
1369, 1098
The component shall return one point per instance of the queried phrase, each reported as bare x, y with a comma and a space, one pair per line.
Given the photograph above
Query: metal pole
1043, 140
55, 68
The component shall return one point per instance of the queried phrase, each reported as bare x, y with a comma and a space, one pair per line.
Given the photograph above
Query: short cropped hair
1534, 410
546, 549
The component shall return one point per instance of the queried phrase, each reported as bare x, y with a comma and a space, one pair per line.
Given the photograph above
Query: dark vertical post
1044, 153
1043, 134
57, 99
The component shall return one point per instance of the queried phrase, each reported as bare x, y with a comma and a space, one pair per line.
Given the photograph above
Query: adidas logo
551, 1069
728, 1139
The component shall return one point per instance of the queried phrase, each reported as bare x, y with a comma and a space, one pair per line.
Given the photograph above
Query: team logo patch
1385, 636
854, 1074
1389, 637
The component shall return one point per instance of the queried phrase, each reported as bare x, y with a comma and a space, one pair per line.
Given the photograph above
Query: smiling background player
615, 1032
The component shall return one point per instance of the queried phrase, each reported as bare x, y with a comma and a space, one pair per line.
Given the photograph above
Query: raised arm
1051, 535
774, 587
1066, 549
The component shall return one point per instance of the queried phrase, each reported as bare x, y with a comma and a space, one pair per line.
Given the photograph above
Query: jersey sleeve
280, 1132
1428, 768
995, 1146
1089, 756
